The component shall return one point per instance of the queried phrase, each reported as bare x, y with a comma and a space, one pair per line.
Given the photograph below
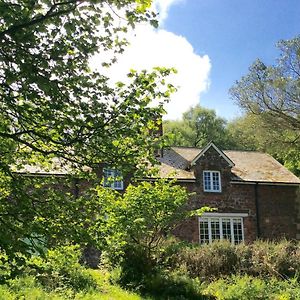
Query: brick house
255, 196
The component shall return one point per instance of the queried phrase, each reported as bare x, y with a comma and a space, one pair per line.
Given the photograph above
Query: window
221, 228
212, 181
113, 179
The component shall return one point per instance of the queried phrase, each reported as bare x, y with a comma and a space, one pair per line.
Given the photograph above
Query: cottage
255, 196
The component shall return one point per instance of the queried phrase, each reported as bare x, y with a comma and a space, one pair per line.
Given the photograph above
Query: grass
28, 288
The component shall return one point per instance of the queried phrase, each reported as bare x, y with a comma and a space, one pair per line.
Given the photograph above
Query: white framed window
112, 178
212, 181
221, 227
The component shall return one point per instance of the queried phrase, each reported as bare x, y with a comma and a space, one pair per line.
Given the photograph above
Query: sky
211, 43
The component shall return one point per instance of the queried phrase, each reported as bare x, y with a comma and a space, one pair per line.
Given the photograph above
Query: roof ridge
189, 147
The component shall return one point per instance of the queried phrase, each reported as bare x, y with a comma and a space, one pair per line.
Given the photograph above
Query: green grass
28, 288
253, 288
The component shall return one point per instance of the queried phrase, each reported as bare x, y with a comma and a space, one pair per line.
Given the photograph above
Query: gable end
220, 152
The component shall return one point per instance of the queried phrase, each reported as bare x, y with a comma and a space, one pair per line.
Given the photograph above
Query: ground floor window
221, 227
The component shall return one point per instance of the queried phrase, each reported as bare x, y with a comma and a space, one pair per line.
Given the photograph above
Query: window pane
207, 181
237, 230
211, 181
226, 227
107, 177
215, 229
216, 181
204, 233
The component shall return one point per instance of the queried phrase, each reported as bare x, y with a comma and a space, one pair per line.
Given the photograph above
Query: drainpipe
257, 209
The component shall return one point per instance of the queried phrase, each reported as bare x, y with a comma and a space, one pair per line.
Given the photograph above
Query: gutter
169, 178
265, 183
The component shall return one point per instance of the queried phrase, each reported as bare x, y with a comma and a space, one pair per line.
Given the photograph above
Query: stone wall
278, 210
277, 205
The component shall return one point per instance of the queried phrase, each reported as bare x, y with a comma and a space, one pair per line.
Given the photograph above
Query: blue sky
233, 33
211, 43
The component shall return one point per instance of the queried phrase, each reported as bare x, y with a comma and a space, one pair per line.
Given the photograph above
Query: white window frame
209, 217
112, 178
211, 189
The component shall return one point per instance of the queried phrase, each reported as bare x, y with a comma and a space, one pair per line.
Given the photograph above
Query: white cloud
162, 7
151, 48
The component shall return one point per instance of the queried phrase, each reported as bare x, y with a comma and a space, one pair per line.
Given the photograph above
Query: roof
220, 152
55, 167
249, 166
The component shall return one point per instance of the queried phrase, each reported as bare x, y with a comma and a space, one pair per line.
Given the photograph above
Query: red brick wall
278, 206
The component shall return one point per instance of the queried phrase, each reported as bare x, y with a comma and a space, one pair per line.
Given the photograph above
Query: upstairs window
113, 179
212, 181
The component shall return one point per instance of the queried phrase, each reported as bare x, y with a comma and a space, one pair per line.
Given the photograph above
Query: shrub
11, 266
30, 289
280, 259
262, 258
61, 269
209, 261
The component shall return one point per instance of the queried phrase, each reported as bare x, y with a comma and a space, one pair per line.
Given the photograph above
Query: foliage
143, 215
59, 115
253, 132
248, 132
272, 93
60, 269
58, 275
206, 262
51, 101
275, 259
197, 128
251, 288
135, 224
28, 287
167, 285
264, 259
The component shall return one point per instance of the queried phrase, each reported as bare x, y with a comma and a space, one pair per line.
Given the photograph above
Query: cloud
162, 7
151, 48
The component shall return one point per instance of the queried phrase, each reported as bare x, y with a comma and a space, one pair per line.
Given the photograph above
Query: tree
252, 132
248, 133
51, 101
197, 128
272, 94
136, 223
55, 108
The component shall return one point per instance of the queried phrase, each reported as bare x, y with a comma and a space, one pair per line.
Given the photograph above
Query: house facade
253, 194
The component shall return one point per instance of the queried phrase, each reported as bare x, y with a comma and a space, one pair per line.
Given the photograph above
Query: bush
166, 285
207, 262
60, 269
135, 267
275, 259
11, 266
221, 258
27, 288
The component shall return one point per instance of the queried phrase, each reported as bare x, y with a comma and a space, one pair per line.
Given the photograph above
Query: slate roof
249, 166
57, 167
